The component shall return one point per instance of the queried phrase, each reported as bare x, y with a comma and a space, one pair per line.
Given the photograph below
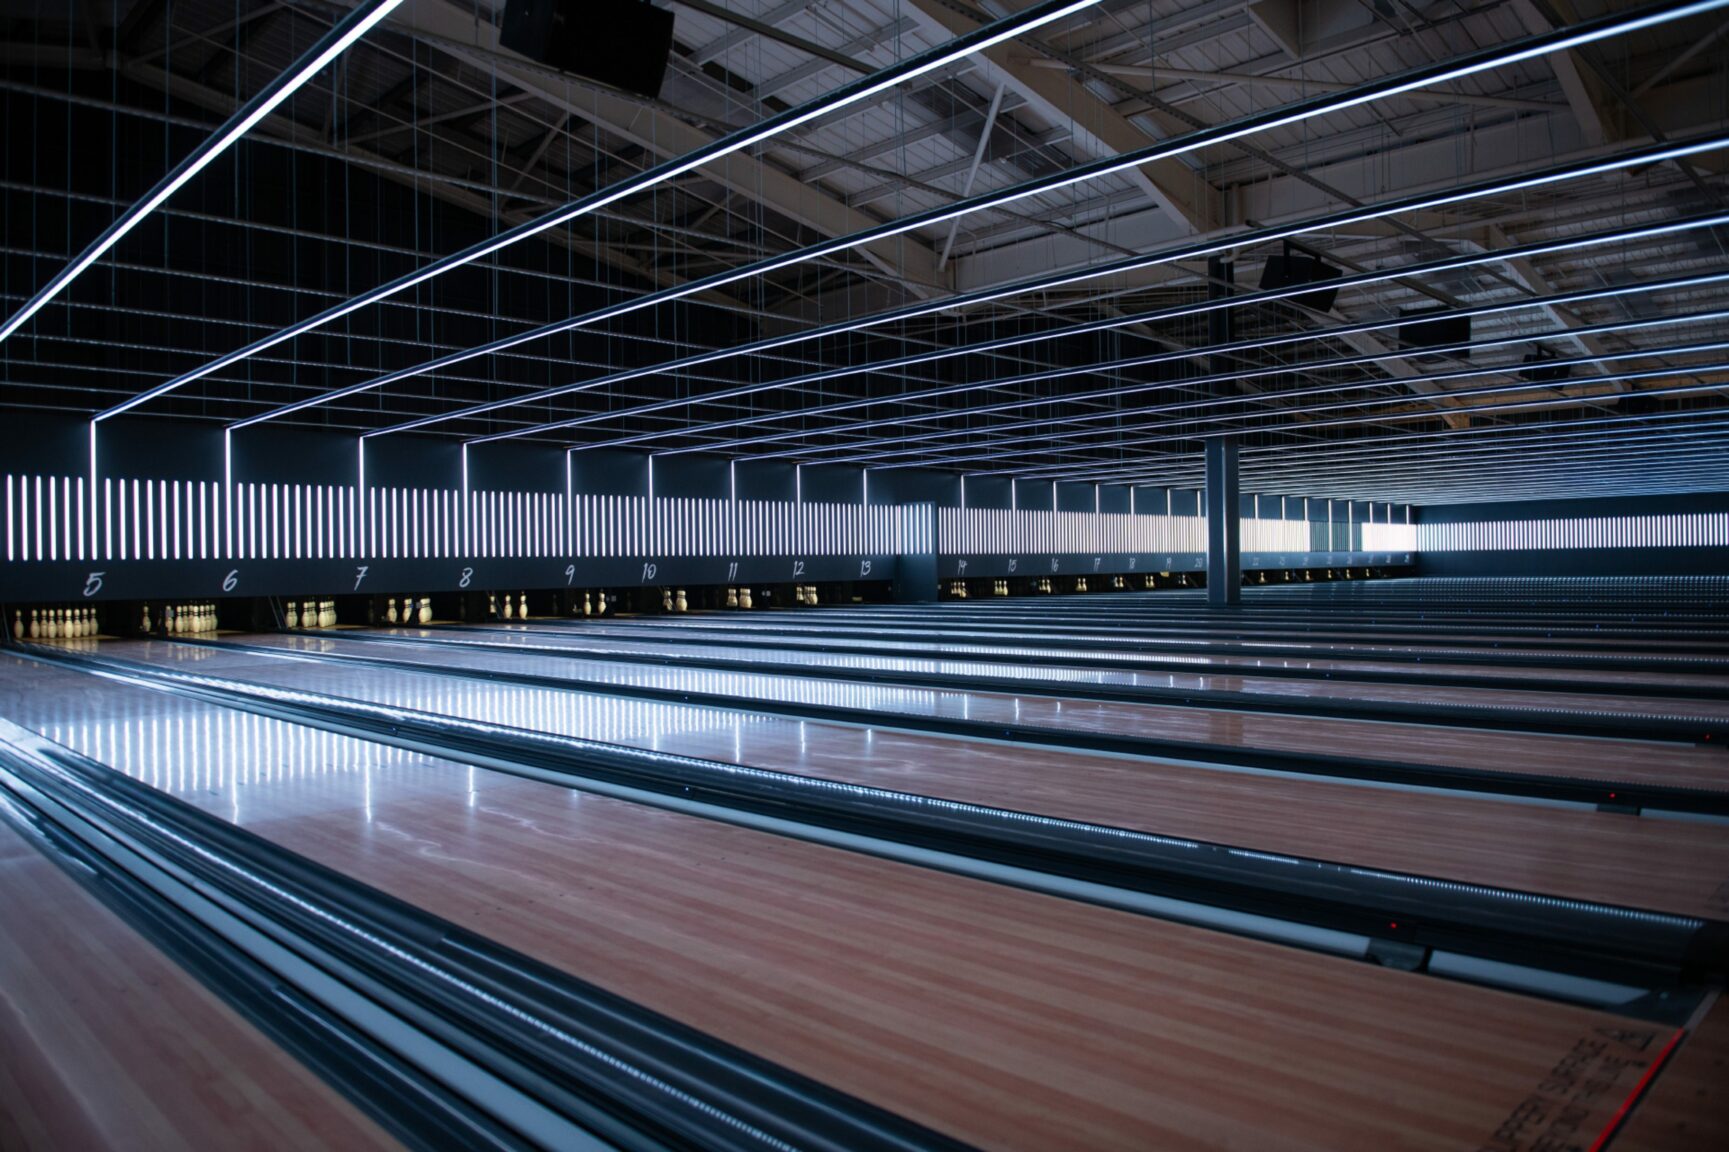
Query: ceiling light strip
861, 89
1578, 35
346, 31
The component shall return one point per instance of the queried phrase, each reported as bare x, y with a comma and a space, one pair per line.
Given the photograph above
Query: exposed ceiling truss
818, 296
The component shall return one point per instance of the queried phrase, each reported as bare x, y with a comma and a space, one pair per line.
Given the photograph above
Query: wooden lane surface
1681, 683
1107, 620
1640, 862
1107, 628
1005, 1018
795, 660
1586, 758
1127, 636
106, 1044
1687, 1107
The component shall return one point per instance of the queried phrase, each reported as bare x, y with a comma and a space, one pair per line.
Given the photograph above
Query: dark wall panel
46, 444
510, 466
267, 455
693, 477
608, 472
413, 462
159, 449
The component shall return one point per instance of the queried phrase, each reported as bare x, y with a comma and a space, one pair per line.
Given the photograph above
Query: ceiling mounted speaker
1539, 370
1295, 269
623, 43
1416, 332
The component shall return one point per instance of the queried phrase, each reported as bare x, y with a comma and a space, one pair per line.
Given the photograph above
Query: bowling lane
106, 1044
1688, 1107
1058, 629
580, 640
1116, 618
1005, 1018
1610, 760
765, 633
1659, 865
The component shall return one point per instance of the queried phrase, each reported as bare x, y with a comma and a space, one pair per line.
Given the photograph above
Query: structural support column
1224, 508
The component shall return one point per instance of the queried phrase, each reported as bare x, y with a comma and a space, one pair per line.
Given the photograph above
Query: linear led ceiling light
1312, 426
1653, 154
861, 89
1235, 376
347, 30
1576, 36
1186, 310
1190, 406
1112, 366
1271, 460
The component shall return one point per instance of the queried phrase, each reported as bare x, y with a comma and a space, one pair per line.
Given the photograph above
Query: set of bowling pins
520, 612
184, 619
958, 589
54, 623
1043, 584
597, 605
312, 614
671, 602
805, 594
739, 598
999, 587
412, 611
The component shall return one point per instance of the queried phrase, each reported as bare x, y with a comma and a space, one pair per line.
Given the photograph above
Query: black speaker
1294, 269
624, 43
1538, 369
1417, 333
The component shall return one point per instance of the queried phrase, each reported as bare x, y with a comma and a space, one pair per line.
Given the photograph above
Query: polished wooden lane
1036, 650
936, 625
580, 641
1587, 758
1687, 1108
1125, 624
1005, 1018
106, 1044
1641, 862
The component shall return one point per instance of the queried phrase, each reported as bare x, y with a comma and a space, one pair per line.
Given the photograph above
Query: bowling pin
587, 607
17, 625
522, 606
508, 611
813, 596
146, 621
330, 613
666, 599
293, 620
682, 604
426, 609
744, 599
390, 615
492, 605
600, 603
732, 597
